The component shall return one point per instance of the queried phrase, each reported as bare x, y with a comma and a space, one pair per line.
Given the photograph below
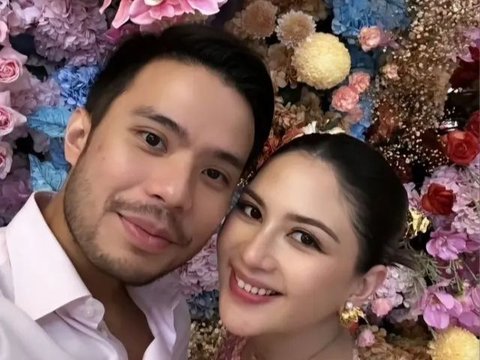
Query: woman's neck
325, 341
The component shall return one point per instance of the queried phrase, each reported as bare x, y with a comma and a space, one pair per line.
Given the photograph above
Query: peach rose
370, 38
345, 98
360, 81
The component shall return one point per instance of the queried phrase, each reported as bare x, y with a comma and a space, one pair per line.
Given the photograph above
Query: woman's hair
378, 200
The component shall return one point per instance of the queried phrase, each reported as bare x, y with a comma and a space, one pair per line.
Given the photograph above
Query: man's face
155, 178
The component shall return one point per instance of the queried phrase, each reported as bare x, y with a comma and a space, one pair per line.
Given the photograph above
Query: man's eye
154, 140
215, 175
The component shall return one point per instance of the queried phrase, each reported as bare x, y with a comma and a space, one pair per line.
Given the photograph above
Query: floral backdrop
402, 75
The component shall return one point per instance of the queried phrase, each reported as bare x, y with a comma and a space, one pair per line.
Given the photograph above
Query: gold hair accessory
350, 315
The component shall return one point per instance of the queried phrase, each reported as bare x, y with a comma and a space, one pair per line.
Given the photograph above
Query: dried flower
258, 19
390, 71
294, 27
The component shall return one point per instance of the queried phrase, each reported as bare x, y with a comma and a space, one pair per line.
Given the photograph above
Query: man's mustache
154, 212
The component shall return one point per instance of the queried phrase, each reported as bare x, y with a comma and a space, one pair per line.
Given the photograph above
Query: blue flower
350, 16
75, 83
204, 306
358, 130
50, 120
45, 176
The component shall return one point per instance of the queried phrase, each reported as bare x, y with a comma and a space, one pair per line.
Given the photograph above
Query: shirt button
92, 310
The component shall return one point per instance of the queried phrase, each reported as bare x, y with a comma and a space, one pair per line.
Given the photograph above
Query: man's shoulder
5, 268
22, 338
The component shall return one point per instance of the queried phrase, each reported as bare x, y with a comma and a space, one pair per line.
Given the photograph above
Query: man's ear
76, 135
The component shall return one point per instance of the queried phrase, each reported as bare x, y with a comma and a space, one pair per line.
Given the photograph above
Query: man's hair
193, 44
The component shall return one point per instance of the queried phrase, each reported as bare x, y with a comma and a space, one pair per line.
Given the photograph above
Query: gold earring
350, 315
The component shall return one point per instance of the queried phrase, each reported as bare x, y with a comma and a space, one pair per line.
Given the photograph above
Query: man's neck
322, 341
102, 286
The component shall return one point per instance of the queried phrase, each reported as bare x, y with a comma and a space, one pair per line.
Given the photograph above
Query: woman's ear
76, 135
367, 284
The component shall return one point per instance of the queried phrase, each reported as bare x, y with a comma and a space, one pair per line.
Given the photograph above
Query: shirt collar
44, 278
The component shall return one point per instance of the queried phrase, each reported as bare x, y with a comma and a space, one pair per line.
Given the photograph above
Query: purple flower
71, 30
469, 315
200, 274
437, 308
39, 94
6, 154
468, 220
14, 190
447, 244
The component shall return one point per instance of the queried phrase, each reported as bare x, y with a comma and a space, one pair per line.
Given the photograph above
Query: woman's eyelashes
306, 239
303, 237
249, 210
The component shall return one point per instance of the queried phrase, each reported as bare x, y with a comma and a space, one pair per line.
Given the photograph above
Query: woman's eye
305, 239
250, 211
154, 141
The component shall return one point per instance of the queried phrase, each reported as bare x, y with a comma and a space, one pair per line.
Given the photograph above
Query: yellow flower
455, 344
322, 61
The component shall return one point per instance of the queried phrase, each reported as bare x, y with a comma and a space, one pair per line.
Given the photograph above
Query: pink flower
6, 154
144, 12
381, 307
9, 118
116, 35
366, 338
360, 81
10, 70
370, 38
447, 244
23, 14
437, 307
345, 98
9, 53
3, 33
354, 115
473, 243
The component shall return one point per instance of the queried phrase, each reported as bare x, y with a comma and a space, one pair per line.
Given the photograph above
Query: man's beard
79, 205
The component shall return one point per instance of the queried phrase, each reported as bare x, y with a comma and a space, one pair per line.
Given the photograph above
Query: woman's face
287, 252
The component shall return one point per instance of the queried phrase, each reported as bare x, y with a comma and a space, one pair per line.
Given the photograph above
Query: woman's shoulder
231, 347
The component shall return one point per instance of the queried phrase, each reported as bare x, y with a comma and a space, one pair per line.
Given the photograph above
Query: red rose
438, 200
462, 147
473, 124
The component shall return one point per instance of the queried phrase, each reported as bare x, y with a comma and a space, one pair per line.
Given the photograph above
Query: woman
309, 239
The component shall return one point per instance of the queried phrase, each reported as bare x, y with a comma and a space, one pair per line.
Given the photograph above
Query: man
169, 127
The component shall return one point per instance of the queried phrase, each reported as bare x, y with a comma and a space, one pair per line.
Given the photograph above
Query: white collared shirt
47, 312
